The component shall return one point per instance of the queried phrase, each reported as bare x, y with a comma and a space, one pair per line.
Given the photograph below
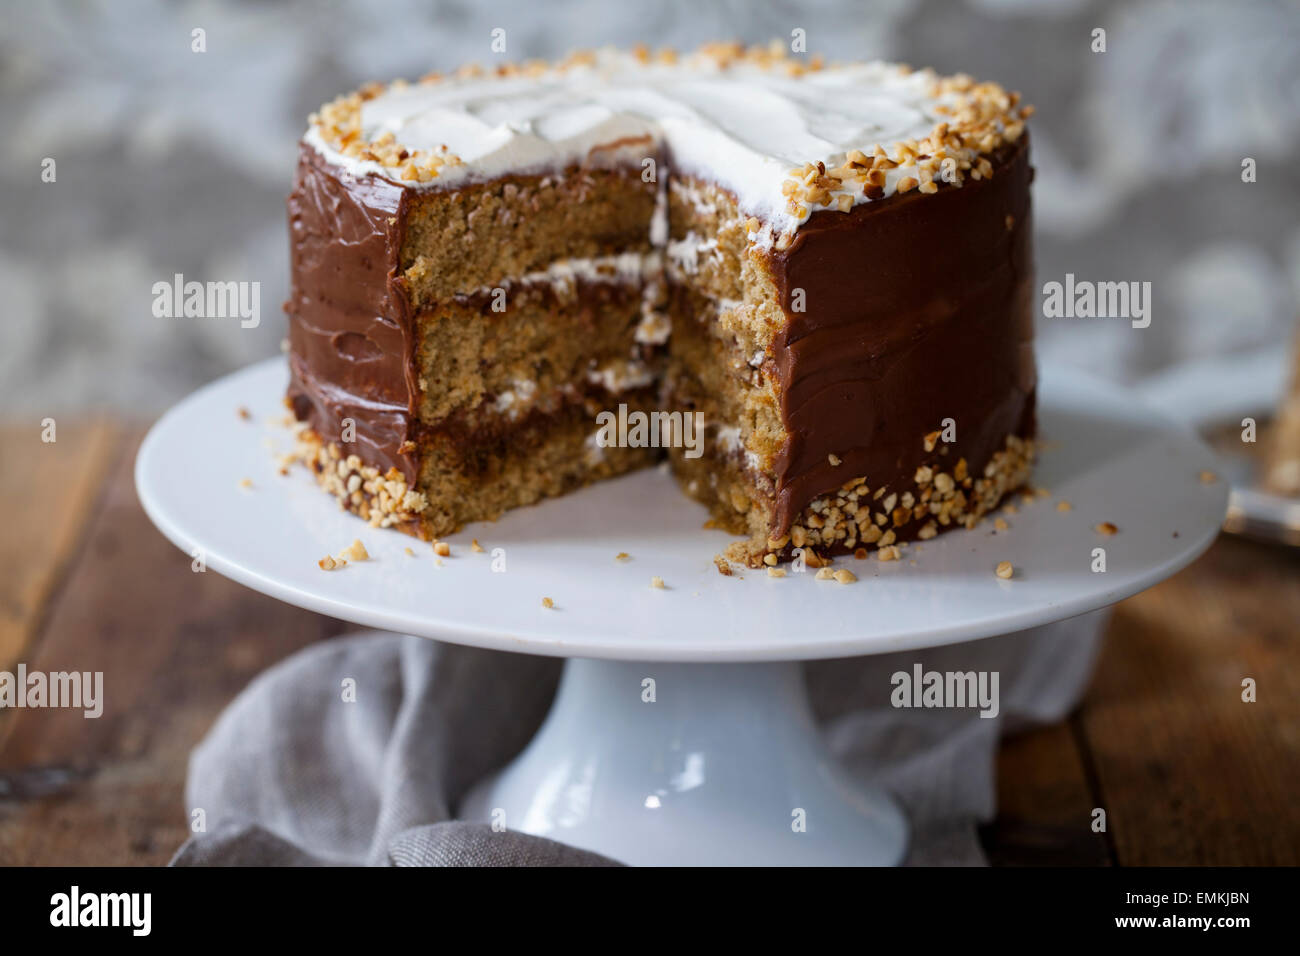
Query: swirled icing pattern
745, 125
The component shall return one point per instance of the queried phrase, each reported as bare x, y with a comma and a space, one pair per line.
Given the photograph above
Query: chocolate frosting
351, 330
917, 308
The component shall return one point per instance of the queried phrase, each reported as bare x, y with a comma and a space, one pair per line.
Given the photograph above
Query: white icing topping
744, 127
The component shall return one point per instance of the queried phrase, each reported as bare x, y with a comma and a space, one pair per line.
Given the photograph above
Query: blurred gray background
171, 161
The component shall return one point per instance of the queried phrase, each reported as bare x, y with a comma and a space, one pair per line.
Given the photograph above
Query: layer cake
827, 267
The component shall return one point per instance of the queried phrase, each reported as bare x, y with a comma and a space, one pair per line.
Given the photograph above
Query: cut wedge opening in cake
809, 287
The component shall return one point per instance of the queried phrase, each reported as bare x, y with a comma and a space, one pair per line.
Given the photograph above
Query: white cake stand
724, 765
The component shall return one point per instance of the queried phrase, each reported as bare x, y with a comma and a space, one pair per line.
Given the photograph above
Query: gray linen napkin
291, 775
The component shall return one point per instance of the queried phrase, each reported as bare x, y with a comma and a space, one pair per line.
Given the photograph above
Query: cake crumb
547, 602
776, 572
845, 576
475, 546
722, 564
442, 549
657, 582
1208, 477
437, 562
1000, 524
356, 551
1064, 506
1005, 570
623, 556
409, 552
245, 482
1106, 528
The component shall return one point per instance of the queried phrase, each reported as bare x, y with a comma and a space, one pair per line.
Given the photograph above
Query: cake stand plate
681, 732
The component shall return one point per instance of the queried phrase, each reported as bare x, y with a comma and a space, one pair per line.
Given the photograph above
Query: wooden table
1187, 772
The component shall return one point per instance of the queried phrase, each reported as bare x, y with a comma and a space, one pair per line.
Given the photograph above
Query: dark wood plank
174, 647
1045, 801
47, 492
1189, 773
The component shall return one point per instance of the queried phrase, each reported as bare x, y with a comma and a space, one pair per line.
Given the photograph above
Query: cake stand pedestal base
690, 764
